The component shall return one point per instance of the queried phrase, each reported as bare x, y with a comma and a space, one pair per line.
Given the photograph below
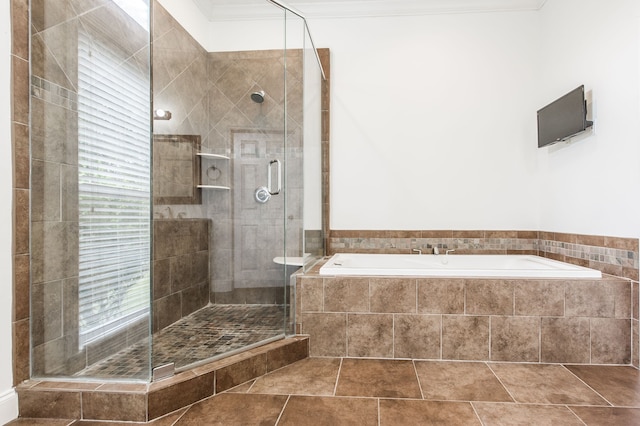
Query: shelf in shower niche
213, 156
214, 187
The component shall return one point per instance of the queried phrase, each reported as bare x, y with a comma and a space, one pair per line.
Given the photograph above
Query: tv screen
563, 118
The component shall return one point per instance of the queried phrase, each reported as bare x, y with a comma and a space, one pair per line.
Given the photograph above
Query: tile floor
347, 391
206, 333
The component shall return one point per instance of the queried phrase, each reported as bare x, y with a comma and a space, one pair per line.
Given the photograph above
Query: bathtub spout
449, 251
417, 251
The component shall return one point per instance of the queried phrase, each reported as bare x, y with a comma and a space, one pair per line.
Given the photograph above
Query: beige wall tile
311, 294
49, 404
489, 297
167, 399
346, 294
327, 333
635, 341
240, 372
565, 340
590, 299
114, 406
393, 295
610, 341
465, 337
417, 336
515, 339
440, 296
540, 298
370, 335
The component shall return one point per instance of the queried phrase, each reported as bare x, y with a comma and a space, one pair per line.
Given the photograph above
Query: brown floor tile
310, 376
606, 416
378, 378
329, 411
500, 414
397, 412
460, 381
544, 384
243, 388
232, 409
169, 419
40, 422
109, 423
618, 385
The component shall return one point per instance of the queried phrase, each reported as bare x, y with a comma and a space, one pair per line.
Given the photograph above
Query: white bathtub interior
454, 265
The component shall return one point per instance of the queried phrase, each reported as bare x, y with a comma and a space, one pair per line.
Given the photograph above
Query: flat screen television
563, 118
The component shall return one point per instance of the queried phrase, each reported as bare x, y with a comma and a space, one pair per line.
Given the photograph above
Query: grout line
501, 382
587, 385
415, 370
441, 334
576, 415
489, 343
473, 407
179, 417
335, 387
282, 411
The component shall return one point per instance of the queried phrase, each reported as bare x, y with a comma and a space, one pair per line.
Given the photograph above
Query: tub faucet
417, 251
436, 250
449, 251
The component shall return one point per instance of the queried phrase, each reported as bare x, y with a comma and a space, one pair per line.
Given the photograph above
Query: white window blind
114, 166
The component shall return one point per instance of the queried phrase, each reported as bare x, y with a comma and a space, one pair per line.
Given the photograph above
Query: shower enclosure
175, 189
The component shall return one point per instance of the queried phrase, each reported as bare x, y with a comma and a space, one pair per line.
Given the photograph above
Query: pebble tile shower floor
209, 332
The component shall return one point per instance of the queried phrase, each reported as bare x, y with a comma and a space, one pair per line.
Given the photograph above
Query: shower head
258, 97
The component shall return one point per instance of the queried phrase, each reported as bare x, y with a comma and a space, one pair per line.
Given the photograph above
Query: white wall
591, 185
8, 398
433, 121
191, 18
432, 117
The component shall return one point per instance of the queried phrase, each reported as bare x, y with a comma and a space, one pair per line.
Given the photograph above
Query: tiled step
139, 402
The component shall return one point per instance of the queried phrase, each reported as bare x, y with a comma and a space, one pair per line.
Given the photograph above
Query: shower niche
176, 169
145, 234
215, 171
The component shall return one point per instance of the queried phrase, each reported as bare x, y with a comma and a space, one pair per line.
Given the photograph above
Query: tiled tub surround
524, 320
612, 255
139, 402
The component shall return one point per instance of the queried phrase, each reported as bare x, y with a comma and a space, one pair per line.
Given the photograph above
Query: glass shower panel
312, 152
90, 193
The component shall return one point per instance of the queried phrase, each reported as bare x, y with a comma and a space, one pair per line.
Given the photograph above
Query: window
114, 166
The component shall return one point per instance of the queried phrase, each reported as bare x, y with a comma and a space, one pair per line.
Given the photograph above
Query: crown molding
230, 10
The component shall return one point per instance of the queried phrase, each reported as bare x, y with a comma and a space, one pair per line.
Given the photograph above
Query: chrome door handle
279, 173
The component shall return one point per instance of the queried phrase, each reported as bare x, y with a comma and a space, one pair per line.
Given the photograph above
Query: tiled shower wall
208, 95
180, 269
248, 235
611, 255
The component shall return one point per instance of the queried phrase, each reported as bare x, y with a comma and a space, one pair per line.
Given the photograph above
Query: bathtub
454, 265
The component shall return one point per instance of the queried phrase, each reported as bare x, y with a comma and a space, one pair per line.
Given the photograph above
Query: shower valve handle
269, 173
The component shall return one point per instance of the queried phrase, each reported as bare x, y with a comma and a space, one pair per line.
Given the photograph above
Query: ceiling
222, 10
